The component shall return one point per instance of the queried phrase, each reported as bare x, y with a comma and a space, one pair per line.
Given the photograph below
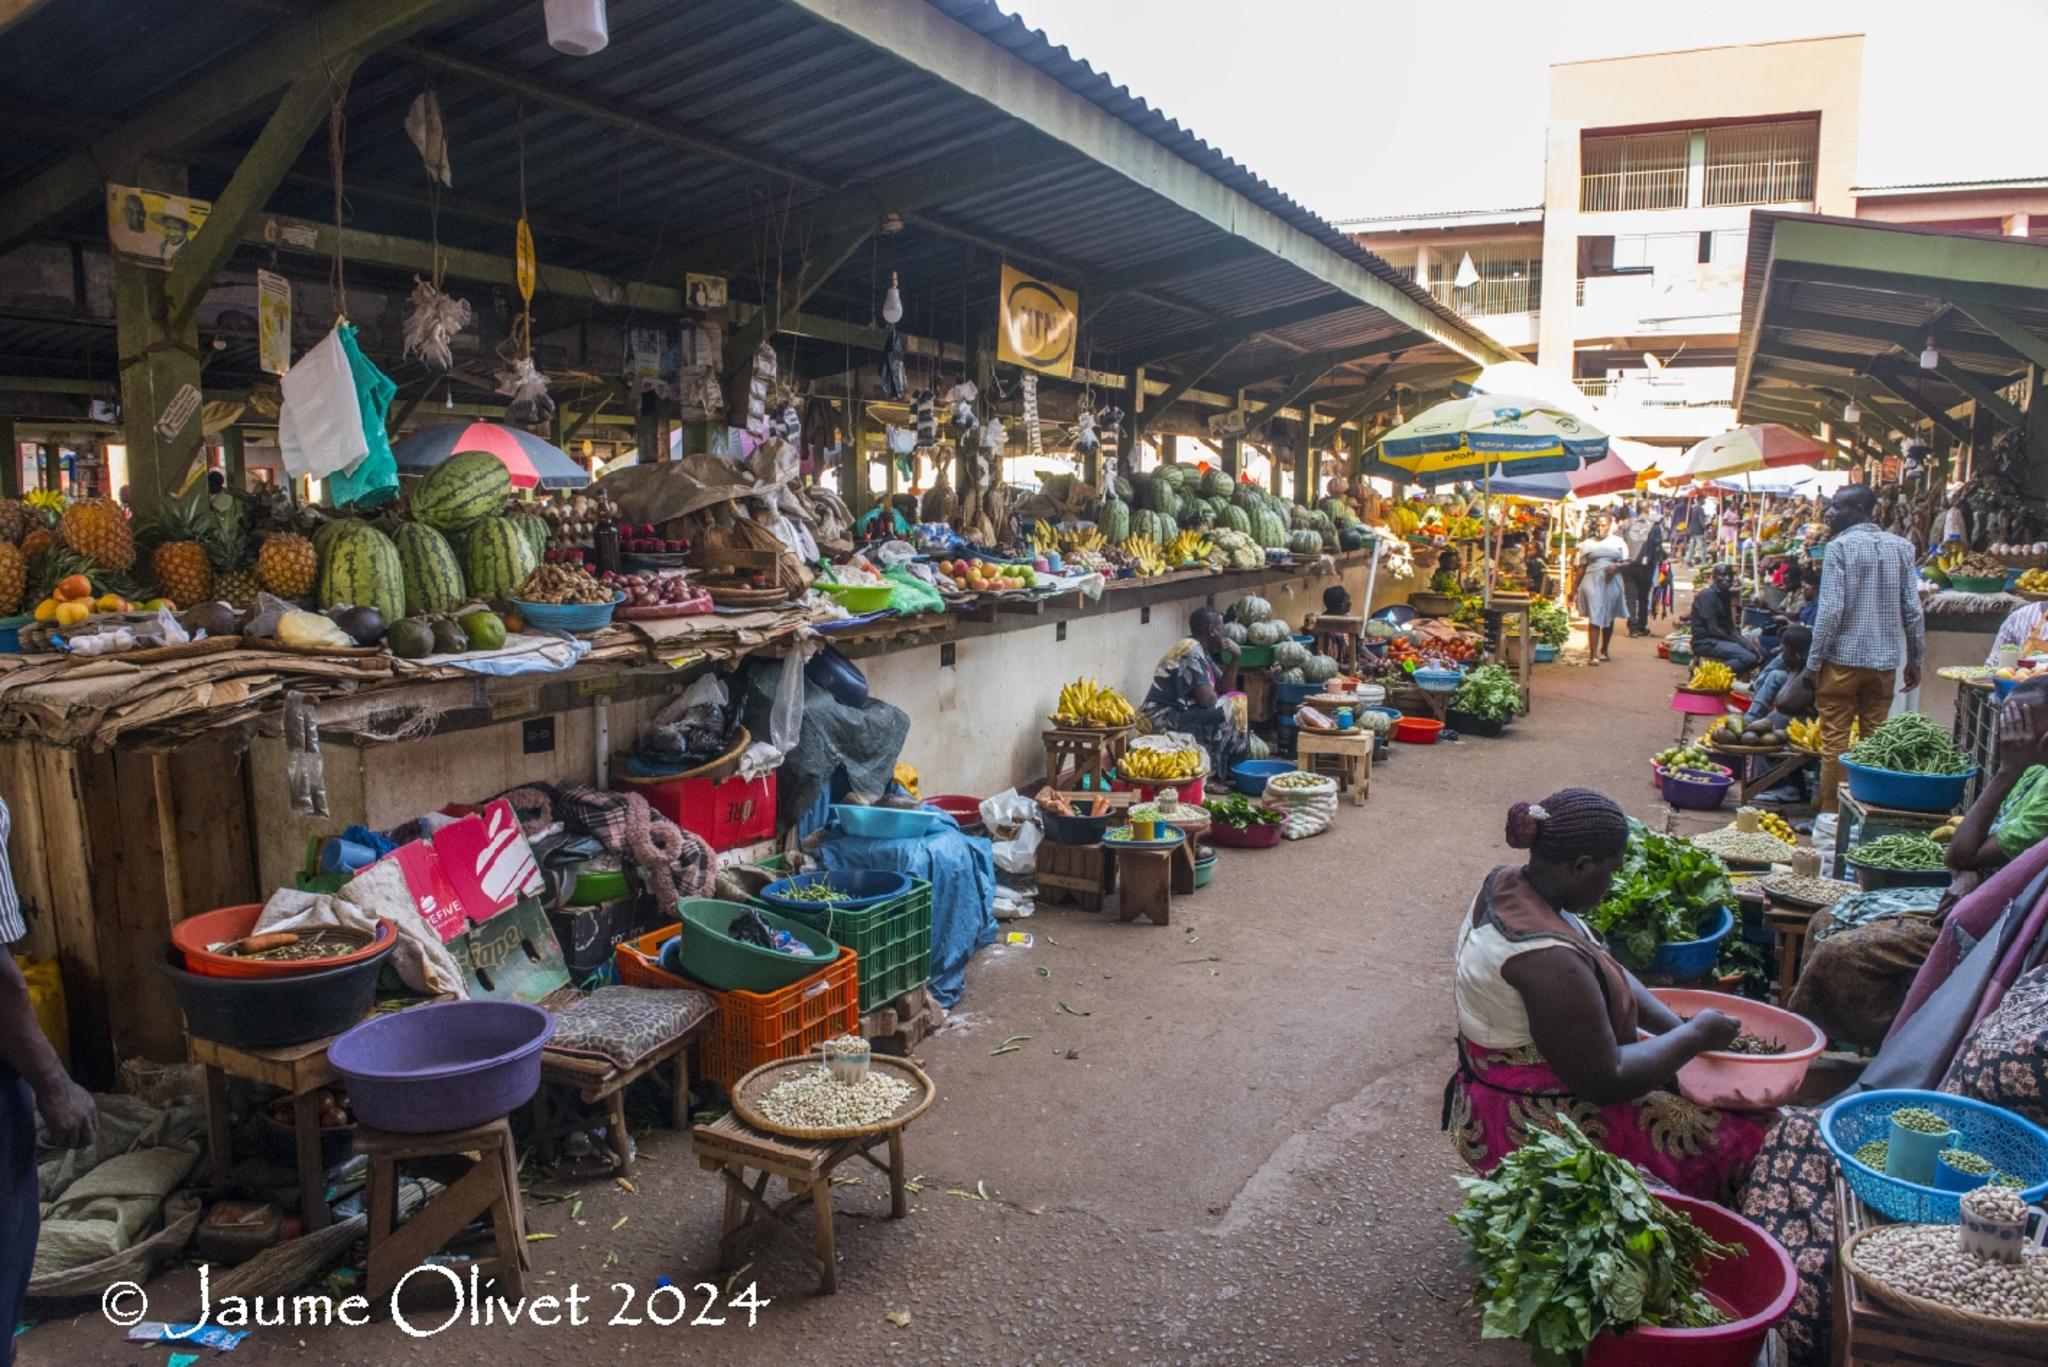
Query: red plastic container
962, 808
1754, 1289
1190, 790
753, 1028
1250, 838
727, 813
193, 934
1418, 730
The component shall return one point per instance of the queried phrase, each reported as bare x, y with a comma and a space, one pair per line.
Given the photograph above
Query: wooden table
1093, 752
1353, 756
478, 1170
730, 1146
1790, 924
299, 1070
1779, 766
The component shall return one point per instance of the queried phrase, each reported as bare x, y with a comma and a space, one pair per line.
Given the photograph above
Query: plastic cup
2008, 656
1344, 719
1910, 1154
2001, 1240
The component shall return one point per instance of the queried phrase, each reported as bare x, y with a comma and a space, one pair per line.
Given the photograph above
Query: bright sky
1360, 107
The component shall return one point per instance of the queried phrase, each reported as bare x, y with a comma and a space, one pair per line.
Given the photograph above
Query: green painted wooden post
10, 474
853, 455
233, 459
1305, 460
160, 385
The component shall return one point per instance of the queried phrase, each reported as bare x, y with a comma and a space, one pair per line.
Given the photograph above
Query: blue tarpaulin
962, 872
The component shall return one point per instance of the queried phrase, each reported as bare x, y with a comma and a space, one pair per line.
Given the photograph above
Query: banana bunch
1044, 540
2034, 581
1146, 556
1085, 702
1804, 734
1084, 541
1188, 545
1162, 766
1711, 676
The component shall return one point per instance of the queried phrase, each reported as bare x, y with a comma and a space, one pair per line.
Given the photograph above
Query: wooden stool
597, 1081
1092, 753
1353, 756
300, 1070
1081, 874
1151, 877
1790, 925
480, 1173
730, 1146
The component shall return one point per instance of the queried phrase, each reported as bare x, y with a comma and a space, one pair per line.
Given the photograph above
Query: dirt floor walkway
1225, 1147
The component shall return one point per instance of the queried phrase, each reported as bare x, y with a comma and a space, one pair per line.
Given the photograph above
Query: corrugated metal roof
771, 87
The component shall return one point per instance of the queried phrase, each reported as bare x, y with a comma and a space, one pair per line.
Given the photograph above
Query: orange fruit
74, 586
111, 602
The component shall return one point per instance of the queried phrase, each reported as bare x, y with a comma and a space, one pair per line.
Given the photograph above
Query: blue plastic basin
888, 823
1251, 776
864, 888
2009, 1142
1906, 792
1685, 960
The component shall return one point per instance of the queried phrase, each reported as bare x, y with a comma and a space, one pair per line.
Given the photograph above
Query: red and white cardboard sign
472, 869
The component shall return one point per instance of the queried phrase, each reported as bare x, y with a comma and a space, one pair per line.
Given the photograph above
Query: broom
284, 1268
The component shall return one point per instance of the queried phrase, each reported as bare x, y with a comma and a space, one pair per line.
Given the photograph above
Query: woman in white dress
1601, 598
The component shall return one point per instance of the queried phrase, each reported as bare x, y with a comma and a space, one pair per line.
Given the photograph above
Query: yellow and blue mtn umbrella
1488, 436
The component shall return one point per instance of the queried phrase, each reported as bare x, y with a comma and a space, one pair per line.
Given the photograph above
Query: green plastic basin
717, 960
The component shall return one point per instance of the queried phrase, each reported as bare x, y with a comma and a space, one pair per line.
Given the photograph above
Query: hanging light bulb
1468, 274
892, 302
577, 27
1929, 357
1851, 413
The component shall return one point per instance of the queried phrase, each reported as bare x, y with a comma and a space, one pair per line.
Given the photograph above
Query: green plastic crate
892, 939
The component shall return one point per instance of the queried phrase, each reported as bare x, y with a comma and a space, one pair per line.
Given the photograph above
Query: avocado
486, 630
365, 626
410, 638
449, 639
215, 619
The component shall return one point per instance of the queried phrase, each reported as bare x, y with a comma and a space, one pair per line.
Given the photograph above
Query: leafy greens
1240, 811
1666, 887
1489, 693
1568, 1241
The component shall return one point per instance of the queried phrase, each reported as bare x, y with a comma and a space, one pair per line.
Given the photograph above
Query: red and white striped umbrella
533, 462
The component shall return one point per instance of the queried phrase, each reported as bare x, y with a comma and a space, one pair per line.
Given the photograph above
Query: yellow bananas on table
1146, 557
1044, 539
1162, 766
1085, 702
1083, 540
1804, 733
1188, 545
1711, 676
2033, 581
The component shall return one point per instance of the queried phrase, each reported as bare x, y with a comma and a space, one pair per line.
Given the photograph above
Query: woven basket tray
748, 1091
1967, 1324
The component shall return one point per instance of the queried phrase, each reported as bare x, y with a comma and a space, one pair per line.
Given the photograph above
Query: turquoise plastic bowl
569, 616
888, 823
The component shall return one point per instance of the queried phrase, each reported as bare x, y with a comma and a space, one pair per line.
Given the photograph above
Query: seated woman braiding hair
1549, 1023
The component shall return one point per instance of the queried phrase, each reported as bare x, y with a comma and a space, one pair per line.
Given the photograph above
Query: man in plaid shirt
1867, 629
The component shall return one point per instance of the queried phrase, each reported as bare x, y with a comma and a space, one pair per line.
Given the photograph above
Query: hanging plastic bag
320, 427
786, 715
374, 478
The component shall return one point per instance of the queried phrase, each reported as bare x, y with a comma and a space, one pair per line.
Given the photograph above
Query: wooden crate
1082, 874
1867, 1334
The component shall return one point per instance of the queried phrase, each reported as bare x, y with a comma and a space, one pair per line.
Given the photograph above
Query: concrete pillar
10, 474
2016, 224
1696, 169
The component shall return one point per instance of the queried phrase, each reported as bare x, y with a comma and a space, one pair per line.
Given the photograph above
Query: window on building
1623, 171
1761, 163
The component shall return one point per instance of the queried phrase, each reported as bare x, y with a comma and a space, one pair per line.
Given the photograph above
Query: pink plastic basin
1699, 704
1754, 1288
1745, 1082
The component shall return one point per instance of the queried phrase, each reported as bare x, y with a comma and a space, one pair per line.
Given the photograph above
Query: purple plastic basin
1694, 788
444, 1067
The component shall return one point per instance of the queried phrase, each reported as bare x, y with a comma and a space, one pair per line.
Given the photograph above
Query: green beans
1906, 851
1910, 744
1920, 1120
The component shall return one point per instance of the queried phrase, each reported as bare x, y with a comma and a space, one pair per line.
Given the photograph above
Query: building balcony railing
1489, 298
1672, 389
1760, 182
1620, 191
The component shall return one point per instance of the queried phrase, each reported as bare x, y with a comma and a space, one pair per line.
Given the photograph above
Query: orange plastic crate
753, 1028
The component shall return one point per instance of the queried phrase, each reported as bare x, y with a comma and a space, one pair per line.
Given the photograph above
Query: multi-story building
1628, 277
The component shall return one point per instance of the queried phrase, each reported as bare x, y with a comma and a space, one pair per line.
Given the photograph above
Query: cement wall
974, 726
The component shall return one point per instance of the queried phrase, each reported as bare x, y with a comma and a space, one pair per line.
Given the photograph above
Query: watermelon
1234, 518
1216, 484
497, 558
1305, 543
1172, 473
1268, 530
461, 490
1247, 498
535, 530
361, 568
1334, 509
324, 534
1160, 496
433, 573
1122, 487
1113, 516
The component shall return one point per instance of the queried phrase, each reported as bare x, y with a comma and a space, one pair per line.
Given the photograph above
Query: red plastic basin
1418, 730
193, 934
1754, 1288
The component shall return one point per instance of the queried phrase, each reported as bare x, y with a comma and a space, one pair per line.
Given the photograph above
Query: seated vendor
1864, 952
1514, 559
1190, 693
1768, 697
1714, 633
1334, 627
1549, 1021
1446, 580
2026, 627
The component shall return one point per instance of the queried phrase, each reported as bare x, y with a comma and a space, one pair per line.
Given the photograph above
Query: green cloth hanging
373, 479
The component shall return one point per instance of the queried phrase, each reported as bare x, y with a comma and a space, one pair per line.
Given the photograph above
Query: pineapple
287, 565
178, 527
15, 520
13, 578
37, 542
229, 552
98, 530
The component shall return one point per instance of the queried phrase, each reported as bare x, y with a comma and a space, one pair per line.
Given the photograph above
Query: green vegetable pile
820, 891
1569, 1241
1489, 693
1241, 812
1910, 744
1692, 756
1552, 624
1908, 851
1665, 889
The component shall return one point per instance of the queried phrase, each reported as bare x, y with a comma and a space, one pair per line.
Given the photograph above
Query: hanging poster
1037, 324
150, 228
703, 291
273, 322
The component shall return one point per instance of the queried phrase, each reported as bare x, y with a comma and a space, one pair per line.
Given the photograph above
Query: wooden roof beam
1324, 361
1189, 378
2004, 327
1242, 328
1891, 378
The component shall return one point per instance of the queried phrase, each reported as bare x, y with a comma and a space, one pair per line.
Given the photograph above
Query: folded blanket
422, 961
622, 1025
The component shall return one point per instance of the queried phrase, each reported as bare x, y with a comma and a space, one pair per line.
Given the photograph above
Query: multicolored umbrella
1627, 465
1489, 436
533, 462
1744, 450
